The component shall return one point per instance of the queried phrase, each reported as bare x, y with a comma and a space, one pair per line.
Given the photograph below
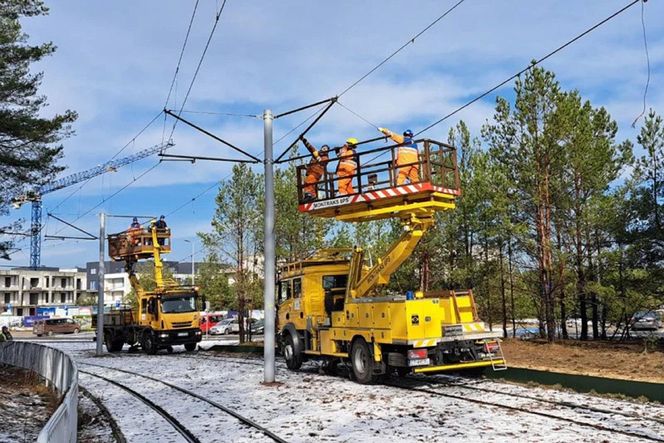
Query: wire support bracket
89, 236
194, 158
331, 103
208, 133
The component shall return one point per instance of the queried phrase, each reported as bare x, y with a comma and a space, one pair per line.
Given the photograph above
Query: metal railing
437, 163
60, 372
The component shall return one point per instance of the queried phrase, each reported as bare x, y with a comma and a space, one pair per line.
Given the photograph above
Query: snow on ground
93, 425
310, 407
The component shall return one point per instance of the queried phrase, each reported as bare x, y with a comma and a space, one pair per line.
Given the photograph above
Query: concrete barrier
60, 372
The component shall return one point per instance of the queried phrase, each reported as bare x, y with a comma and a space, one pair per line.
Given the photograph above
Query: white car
224, 327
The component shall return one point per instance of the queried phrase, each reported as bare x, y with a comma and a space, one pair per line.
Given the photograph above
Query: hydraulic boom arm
361, 285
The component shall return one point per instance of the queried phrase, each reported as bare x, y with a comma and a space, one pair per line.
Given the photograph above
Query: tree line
558, 220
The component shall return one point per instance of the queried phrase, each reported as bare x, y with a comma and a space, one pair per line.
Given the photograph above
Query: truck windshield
182, 303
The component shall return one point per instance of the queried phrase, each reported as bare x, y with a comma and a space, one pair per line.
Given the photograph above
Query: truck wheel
190, 346
293, 356
76, 331
149, 344
50, 333
402, 371
362, 361
113, 345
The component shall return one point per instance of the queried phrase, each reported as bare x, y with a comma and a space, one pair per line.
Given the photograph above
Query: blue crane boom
35, 196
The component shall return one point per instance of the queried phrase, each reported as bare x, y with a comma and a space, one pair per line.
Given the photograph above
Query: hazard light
414, 354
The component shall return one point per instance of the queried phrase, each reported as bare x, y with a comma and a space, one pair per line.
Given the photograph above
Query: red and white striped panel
376, 195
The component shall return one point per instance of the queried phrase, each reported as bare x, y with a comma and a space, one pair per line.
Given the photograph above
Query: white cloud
114, 66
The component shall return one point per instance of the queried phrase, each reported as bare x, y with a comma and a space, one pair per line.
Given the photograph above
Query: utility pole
193, 272
269, 259
100, 275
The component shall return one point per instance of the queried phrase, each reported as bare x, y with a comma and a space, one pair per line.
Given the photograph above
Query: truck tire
190, 346
362, 361
292, 355
149, 343
113, 344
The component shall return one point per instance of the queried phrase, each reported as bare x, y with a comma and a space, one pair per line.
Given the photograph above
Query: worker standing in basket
133, 233
407, 160
315, 169
347, 167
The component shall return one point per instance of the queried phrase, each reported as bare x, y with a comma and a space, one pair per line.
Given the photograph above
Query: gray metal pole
269, 259
193, 269
100, 295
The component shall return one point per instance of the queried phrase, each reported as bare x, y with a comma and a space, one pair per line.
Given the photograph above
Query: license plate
183, 334
419, 362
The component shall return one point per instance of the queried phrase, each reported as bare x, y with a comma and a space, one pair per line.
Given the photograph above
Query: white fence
59, 371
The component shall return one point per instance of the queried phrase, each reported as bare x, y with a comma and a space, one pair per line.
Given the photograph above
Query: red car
209, 320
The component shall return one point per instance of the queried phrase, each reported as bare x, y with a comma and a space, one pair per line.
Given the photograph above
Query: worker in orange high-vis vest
315, 170
407, 156
347, 167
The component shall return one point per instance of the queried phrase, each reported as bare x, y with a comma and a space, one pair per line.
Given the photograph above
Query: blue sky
115, 62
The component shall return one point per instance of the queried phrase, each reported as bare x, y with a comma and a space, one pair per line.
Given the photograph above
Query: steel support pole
269, 258
100, 295
193, 266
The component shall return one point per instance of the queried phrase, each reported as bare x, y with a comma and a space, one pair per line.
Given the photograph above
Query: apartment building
22, 290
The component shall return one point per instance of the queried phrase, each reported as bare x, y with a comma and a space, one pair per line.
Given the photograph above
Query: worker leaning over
347, 167
407, 155
315, 169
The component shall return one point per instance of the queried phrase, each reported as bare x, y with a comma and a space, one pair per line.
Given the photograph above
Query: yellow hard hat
351, 141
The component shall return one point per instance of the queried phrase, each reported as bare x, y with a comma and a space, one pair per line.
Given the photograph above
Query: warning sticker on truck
452, 331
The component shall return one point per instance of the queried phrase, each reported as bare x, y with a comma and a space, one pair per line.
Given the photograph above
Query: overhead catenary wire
529, 67
104, 200
645, 44
409, 42
200, 63
355, 83
184, 45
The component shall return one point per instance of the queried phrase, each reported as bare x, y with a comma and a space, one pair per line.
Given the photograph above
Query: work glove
316, 155
384, 130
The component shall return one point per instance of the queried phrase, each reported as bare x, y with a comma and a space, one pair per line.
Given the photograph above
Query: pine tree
237, 232
29, 143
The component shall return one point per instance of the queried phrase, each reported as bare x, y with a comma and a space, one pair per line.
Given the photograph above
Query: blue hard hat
407, 133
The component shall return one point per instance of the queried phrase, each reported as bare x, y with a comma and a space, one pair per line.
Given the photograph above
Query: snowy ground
310, 407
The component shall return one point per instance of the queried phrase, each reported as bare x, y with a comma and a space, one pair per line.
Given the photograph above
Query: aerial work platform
137, 244
377, 195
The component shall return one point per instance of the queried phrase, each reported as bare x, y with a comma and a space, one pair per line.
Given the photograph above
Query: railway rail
177, 425
427, 384
532, 408
242, 419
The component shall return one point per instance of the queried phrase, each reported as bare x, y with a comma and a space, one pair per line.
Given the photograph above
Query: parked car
257, 326
648, 320
225, 327
208, 321
52, 326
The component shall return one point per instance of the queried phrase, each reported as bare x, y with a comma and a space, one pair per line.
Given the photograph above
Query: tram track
414, 386
242, 419
469, 384
484, 389
177, 425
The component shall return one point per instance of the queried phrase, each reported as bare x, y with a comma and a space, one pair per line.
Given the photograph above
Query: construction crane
35, 196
